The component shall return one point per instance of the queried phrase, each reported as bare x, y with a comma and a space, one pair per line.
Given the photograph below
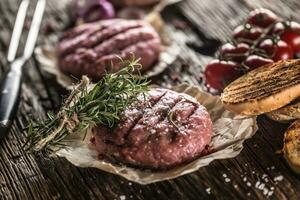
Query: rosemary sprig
85, 107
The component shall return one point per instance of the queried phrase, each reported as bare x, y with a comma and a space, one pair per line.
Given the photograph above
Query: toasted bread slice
291, 147
264, 89
286, 113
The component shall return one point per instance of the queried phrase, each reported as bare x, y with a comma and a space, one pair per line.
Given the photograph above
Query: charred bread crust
268, 104
291, 148
264, 89
286, 113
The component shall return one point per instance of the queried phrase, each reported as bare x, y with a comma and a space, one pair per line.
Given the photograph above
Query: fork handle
10, 88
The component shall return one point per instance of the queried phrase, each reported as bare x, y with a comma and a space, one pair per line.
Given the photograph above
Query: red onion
92, 10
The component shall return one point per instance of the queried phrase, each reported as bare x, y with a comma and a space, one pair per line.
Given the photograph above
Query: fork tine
17, 31
34, 28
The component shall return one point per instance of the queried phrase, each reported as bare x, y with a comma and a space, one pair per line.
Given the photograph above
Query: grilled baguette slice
286, 113
264, 89
291, 148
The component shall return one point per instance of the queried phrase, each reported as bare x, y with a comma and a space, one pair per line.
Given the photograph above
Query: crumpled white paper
229, 133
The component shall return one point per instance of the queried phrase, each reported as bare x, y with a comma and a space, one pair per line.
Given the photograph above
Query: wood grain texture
24, 176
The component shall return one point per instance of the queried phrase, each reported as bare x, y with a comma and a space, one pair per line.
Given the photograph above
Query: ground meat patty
162, 130
133, 2
95, 48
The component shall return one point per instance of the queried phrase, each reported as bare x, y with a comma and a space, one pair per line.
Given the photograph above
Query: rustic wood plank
41, 177
215, 18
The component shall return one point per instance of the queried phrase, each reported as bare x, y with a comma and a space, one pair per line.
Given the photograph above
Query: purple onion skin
92, 10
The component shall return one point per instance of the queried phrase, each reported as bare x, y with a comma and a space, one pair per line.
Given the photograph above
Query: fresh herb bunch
84, 108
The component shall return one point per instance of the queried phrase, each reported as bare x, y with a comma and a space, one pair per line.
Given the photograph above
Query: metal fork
10, 86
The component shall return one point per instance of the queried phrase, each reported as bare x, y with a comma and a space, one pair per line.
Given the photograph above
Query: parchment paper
229, 133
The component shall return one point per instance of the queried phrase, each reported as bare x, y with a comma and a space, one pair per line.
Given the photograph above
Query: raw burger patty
95, 48
133, 2
161, 131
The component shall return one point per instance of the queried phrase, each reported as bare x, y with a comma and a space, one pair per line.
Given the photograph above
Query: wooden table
259, 172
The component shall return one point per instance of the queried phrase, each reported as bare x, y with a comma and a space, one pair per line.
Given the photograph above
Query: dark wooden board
24, 176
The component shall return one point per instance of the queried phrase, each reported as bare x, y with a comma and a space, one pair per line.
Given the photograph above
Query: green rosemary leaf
85, 107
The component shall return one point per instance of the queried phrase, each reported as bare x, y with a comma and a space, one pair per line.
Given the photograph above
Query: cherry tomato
255, 61
247, 33
277, 50
262, 17
280, 27
292, 38
235, 52
219, 73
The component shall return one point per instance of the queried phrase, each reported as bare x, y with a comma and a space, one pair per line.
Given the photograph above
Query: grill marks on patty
91, 49
165, 132
151, 117
88, 35
87, 49
142, 48
132, 115
95, 36
171, 135
121, 41
258, 85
